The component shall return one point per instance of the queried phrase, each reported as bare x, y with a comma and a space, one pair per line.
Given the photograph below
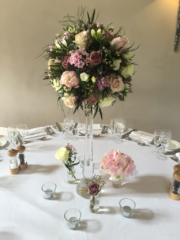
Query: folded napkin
141, 136
35, 134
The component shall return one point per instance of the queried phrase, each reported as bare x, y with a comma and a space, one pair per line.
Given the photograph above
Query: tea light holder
49, 190
127, 207
72, 217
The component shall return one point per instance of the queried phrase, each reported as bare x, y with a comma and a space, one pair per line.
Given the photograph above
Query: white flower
62, 41
93, 79
128, 71
116, 64
93, 33
127, 55
62, 154
106, 101
81, 39
56, 84
84, 76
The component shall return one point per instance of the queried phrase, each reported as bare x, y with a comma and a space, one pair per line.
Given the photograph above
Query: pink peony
118, 165
93, 98
119, 42
65, 62
70, 79
95, 58
116, 83
107, 34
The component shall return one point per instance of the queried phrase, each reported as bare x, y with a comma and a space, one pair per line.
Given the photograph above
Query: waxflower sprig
67, 155
90, 65
95, 185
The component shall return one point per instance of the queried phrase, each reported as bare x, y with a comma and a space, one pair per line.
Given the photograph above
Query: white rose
84, 76
127, 55
106, 101
128, 71
56, 84
63, 42
62, 154
93, 79
81, 39
116, 64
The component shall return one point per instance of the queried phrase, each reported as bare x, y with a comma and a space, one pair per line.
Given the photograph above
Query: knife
127, 134
59, 126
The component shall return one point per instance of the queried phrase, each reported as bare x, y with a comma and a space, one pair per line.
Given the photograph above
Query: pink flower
93, 188
50, 48
99, 24
57, 60
79, 58
93, 98
116, 83
95, 58
70, 79
119, 42
107, 34
65, 62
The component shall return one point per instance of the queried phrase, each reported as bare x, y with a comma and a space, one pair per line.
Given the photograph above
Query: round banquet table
26, 215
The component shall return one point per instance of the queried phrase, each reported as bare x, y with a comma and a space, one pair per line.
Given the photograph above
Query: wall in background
27, 26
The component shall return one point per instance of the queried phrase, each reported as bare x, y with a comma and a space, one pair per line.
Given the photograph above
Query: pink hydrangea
79, 58
65, 62
118, 165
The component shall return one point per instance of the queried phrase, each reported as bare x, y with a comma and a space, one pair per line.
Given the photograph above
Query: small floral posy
68, 156
90, 65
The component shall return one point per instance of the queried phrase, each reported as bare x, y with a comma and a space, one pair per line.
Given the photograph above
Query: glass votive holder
72, 217
81, 161
49, 190
127, 207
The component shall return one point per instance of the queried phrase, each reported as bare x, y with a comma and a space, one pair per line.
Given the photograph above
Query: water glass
23, 131
67, 126
165, 139
49, 190
112, 126
81, 160
120, 126
13, 136
75, 128
127, 207
157, 139
72, 217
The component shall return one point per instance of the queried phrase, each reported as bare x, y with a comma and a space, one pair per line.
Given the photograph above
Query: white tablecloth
26, 215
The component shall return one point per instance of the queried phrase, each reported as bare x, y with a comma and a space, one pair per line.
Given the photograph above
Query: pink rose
107, 34
70, 79
120, 42
93, 98
95, 58
65, 62
116, 83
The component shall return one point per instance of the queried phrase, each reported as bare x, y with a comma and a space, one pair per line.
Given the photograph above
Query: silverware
127, 134
142, 144
50, 128
176, 160
48, 131
59, 126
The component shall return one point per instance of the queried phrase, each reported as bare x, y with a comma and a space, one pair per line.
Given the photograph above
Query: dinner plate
174, 145
2, 142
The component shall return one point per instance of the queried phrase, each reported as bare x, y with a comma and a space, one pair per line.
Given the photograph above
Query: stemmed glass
23, 131
165, 139
75, 128
13, 136
67, 125
112, 126
120, 127
157, 139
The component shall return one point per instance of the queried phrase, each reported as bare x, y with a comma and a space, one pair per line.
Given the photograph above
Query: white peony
128, 71
84, 76
62, 41
106, 102
81, 39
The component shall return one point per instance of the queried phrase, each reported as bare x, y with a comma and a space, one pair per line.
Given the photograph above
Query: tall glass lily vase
88, 170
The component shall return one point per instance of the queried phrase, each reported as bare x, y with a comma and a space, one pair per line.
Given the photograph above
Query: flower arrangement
68, 156
95, 185
117, 164
89, 65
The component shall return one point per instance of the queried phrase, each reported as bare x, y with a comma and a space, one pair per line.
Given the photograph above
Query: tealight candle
126, 211
72, 216
127, 207
48, 193
49, 190
72, 223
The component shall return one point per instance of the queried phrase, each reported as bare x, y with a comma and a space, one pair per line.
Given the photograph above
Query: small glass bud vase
94, 203
71, 176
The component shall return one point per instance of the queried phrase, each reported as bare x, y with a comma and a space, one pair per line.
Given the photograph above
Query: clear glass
175, 186
13, 162
72, 217
157, 140
13, 136
49, 190
127, 207
94, 203
165, 139
23, 131
67, 125
81, 160
75, 128
112, 127
120, 126
71, 176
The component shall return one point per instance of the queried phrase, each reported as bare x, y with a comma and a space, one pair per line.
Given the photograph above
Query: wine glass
112, 126
23, 131
120, 127
67, 125
165, 139
13, 136
157, 139
75, 128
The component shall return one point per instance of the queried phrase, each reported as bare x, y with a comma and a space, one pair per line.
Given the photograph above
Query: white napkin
35, 133
141, 136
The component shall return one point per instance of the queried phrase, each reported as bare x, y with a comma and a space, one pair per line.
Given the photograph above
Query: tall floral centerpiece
90, 66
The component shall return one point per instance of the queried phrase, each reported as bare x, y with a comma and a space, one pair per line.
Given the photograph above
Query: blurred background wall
27, 26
